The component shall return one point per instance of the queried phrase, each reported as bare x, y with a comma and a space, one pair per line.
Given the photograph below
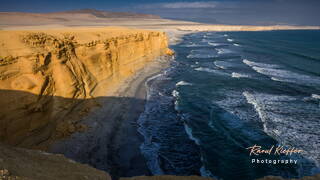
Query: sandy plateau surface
91, 17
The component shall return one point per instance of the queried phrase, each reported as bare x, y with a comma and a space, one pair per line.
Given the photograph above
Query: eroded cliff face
45, 76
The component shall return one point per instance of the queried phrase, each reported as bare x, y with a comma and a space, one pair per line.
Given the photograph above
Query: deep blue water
225, 92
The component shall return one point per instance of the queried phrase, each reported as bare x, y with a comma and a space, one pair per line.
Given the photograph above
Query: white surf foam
289, 119
205, 40
189, 132
315, 96
230, 40
183, 83
287, 76
214, 44
235, 44
205, 69
276, 79
215, 71
203, 53
223, 51
175, 93
239, 75
225, 35
219, 65
194, 45
206, 173
251, 64
223, 64
150, 152
276, 73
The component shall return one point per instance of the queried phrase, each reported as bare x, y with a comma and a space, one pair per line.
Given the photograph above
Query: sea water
225, 92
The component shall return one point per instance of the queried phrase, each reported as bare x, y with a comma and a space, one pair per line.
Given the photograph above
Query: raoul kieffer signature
274, 150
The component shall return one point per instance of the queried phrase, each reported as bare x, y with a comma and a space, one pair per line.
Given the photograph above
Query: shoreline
126, 151
112, 124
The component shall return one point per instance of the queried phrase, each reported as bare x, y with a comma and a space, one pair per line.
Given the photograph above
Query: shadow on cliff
91, 131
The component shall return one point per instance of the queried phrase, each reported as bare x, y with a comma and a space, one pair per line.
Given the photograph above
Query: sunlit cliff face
45, 75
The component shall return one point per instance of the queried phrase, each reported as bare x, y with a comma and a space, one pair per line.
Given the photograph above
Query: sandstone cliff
45, 76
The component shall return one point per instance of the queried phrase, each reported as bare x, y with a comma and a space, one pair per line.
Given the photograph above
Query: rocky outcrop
62, 68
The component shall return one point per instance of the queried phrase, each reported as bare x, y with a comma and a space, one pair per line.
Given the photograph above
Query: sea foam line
239, 75
223, 51
251, 64
315, 96
183, 83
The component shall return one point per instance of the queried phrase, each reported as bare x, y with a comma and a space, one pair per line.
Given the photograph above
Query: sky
250, 12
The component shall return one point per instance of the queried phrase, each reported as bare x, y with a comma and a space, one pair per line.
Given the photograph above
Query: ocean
227, 91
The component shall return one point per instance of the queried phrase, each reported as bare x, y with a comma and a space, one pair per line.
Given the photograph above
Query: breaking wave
204, 53
295, 129
276, 73
239, 75
183, 83
224, 51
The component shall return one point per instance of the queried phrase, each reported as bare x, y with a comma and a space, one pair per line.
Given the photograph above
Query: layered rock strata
49, 79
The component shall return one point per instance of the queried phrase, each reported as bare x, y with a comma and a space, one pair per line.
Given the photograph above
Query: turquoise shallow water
225, 92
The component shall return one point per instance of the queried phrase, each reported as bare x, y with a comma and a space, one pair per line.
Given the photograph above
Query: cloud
182, 5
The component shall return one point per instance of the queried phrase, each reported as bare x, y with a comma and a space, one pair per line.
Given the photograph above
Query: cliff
62, 68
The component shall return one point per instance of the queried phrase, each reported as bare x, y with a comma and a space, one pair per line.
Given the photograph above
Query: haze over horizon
237, 12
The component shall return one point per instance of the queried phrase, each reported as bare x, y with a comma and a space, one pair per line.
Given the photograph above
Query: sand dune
91, 17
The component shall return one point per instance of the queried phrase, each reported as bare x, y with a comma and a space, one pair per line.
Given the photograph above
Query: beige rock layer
49, 78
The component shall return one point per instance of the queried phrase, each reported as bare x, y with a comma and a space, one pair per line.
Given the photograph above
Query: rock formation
61, 69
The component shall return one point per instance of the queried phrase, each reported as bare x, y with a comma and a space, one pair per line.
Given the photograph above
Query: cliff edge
45, 76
